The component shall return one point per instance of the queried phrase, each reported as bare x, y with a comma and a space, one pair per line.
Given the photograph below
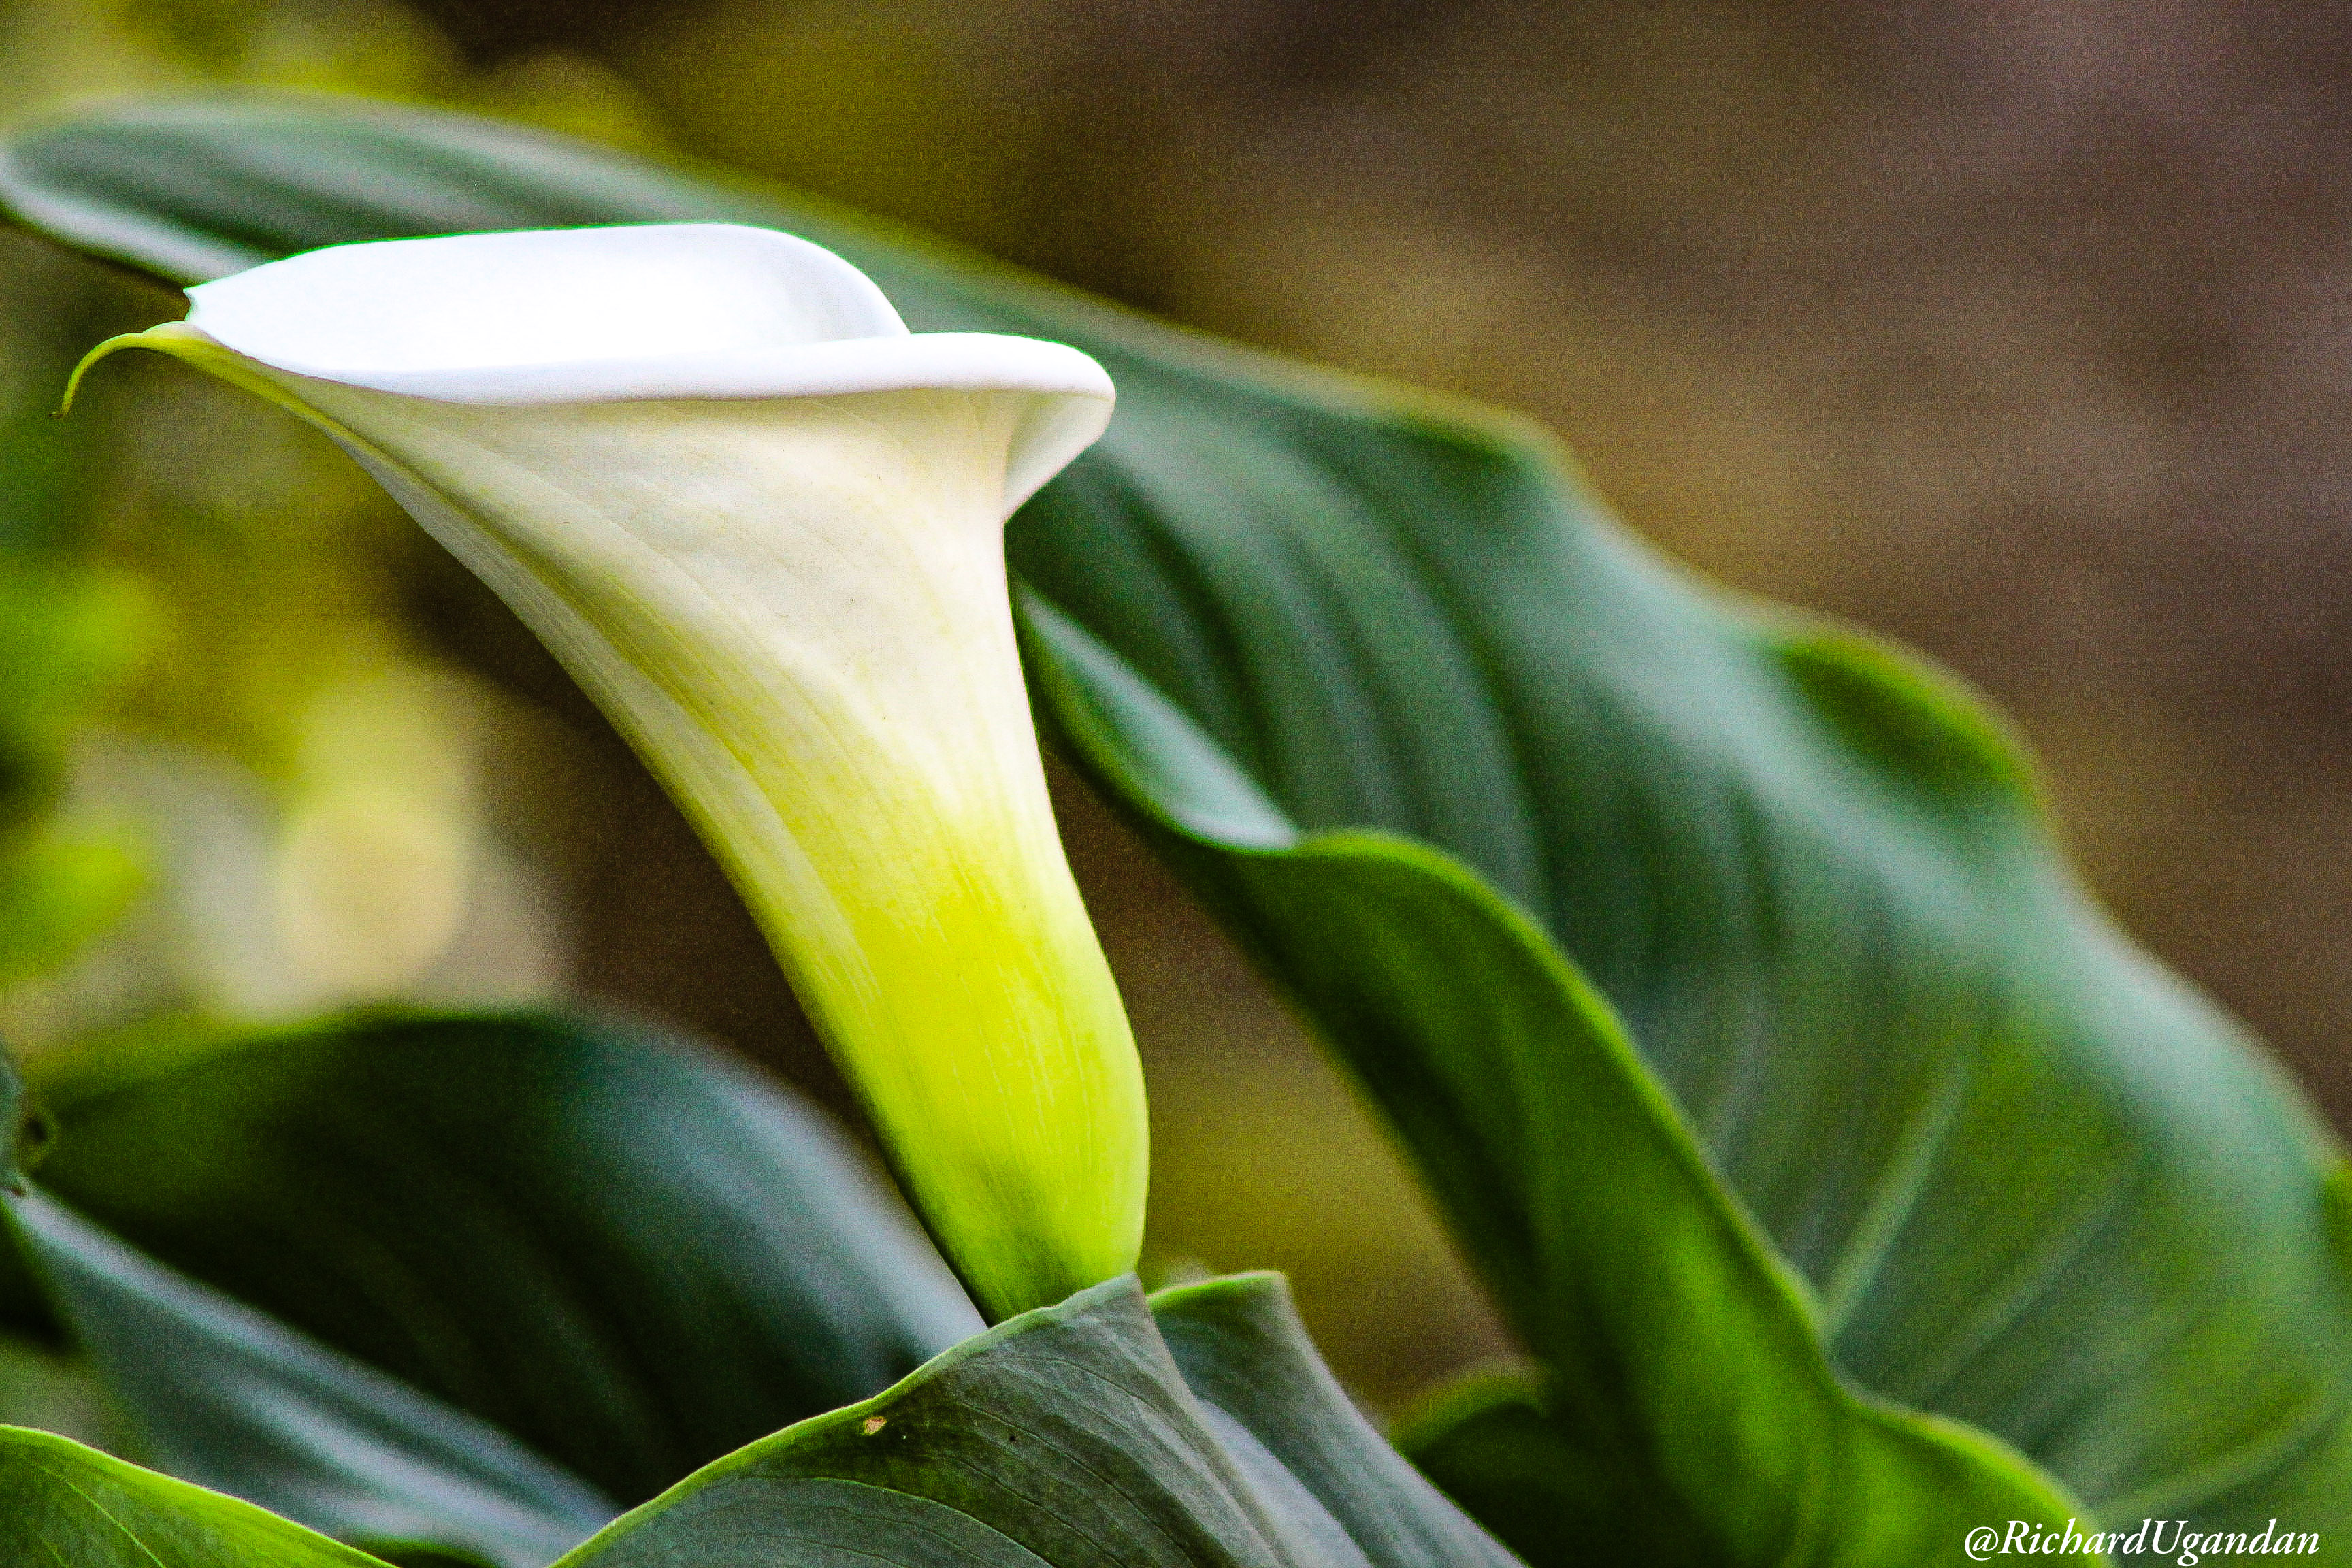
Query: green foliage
1279, 1412
1851, 1180
523, 1212
222, 1394
1069, 1436
619, 1250
63, 1503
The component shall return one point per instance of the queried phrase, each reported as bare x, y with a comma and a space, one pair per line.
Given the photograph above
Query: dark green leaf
1276, 1407
64, 1506
1067, 1436
1071, 1432
1496, 1451
1718, 969
224, 1396
1682, 1356
623, 1252
406, 1554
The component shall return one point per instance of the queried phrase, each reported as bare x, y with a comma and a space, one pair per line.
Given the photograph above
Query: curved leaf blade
1811, 878
63, 1503
1067, 1436
1808, 877
230, 1399
1680, 1353
1276, 1407
1489, 1442
626, 1254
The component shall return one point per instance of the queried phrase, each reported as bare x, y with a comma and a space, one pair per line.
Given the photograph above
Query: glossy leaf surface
1717, 968
1274, 1406
223, 1395
1239, 1446
62, 1503
1069, 1436
616, 1249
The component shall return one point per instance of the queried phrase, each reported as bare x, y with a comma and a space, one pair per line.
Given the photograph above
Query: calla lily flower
761, 524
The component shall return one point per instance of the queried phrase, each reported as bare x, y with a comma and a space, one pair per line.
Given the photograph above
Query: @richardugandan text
2152, 1539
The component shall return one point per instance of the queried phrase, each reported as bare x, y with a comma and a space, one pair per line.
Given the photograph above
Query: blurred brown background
2019, 329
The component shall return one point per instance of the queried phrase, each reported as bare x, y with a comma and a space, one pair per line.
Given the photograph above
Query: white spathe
603, 315
761, 523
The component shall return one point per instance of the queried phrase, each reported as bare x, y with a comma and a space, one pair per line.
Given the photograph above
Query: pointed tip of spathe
111, 347
106, 349
180, 340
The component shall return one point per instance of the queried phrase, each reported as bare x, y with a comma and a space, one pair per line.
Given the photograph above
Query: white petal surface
548, 297
651, 312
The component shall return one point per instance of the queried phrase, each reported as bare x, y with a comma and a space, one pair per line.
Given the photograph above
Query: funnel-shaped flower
763, 525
